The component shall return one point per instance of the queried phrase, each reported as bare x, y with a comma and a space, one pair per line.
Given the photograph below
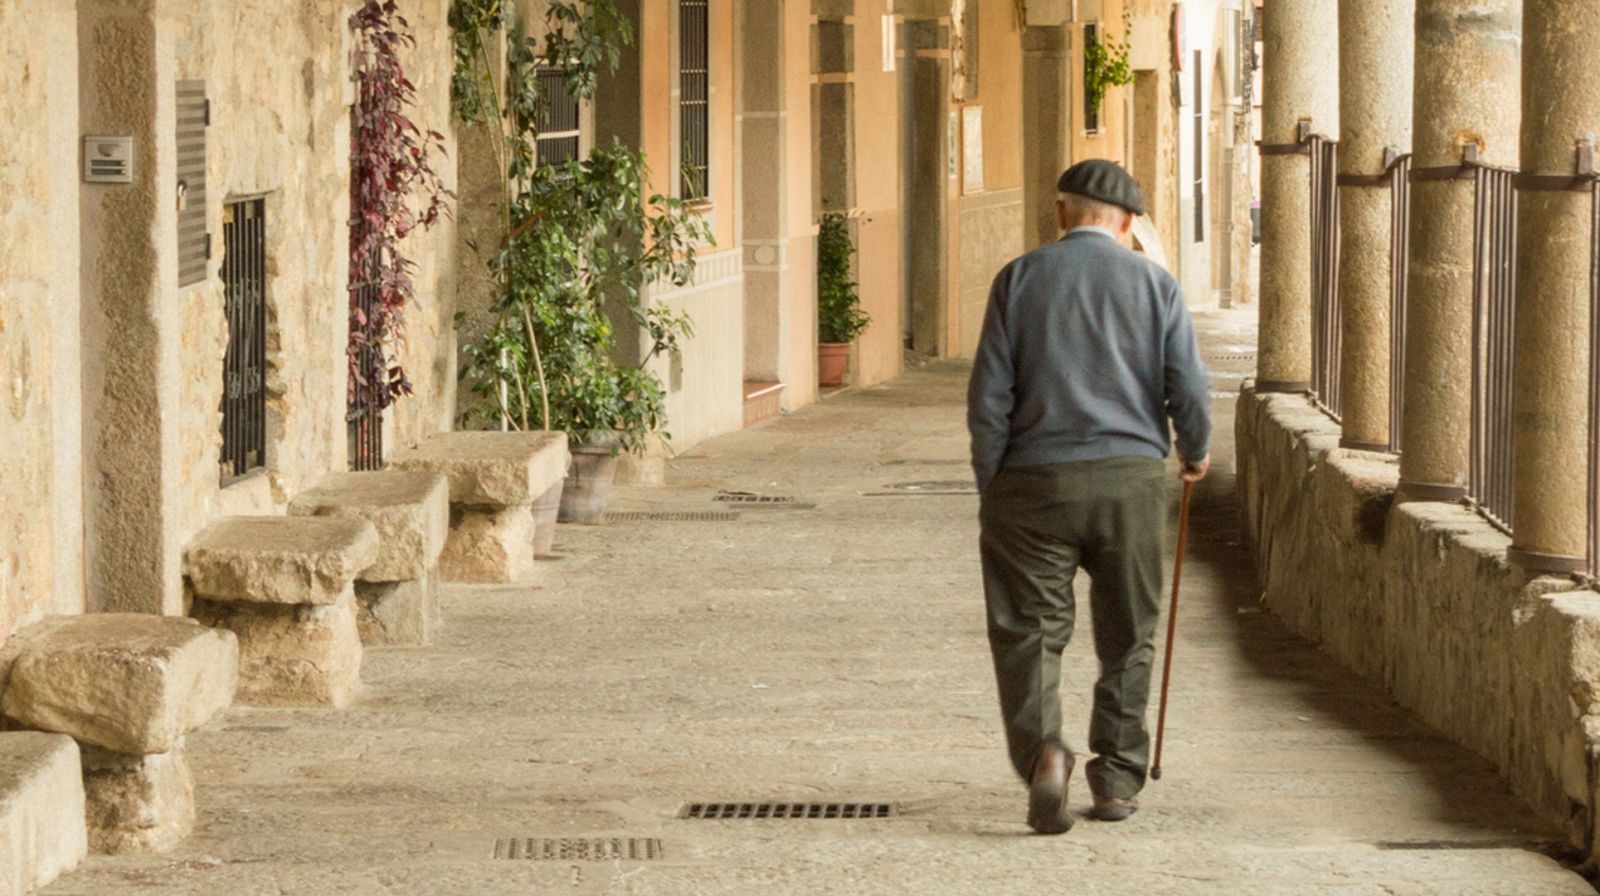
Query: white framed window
563, 131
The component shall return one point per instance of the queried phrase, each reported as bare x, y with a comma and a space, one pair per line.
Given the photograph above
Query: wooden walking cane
1172, 624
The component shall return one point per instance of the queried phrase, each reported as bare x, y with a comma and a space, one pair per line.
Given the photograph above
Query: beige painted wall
879, 355
41, 532
988, 218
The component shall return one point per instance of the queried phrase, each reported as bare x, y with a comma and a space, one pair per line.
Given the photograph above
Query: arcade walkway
832, 652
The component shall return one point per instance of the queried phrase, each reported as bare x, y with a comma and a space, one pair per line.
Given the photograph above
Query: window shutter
194, 245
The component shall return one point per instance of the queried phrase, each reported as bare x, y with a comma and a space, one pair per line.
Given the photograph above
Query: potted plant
580, 244
839, 316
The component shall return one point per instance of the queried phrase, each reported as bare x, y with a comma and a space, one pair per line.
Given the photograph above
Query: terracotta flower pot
588, 485
833, 358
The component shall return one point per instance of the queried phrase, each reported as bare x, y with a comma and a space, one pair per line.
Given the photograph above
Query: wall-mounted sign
972, 149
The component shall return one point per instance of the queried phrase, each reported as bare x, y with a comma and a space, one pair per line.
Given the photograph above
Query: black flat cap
1104, 181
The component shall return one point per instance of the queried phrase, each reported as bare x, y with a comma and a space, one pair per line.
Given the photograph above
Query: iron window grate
577, 849
787, 811
244, 396
694, 98
560, 126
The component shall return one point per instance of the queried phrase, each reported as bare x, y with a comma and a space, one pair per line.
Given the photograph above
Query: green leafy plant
839, 314
1106, 65
578, 238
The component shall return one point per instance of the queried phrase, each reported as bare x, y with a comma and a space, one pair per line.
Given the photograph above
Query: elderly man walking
1087, 351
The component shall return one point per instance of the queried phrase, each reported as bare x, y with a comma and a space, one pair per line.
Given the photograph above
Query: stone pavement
832, 652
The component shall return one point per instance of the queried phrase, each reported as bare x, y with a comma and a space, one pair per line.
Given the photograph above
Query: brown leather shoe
1047, 791
1109, 808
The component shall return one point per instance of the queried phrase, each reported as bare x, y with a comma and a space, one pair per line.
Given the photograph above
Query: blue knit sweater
1087, 350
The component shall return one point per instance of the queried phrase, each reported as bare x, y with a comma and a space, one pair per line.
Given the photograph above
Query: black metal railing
1493, 334
244, 395
694, 100
1327, 328
1399, 272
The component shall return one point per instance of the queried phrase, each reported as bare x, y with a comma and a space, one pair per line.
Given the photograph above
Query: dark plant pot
833, 359
588, 485
545, 512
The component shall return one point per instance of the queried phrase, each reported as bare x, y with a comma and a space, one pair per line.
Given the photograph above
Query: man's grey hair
1085, 209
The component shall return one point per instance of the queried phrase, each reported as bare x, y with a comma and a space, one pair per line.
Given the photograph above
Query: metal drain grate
568, 849
1233, 356
722, 516
751, 498
785, 811
927, 487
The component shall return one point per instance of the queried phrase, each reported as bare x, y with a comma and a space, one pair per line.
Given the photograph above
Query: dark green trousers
1040, 526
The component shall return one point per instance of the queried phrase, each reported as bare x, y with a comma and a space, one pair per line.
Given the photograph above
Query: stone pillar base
297, 655
488, 545
398, 613
137, 803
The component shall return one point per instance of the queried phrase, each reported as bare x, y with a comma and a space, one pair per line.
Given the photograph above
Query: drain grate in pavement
570, 849
751, 498
928, 487
753, 501
787, 811
672, 516
1232, 356
1531, 846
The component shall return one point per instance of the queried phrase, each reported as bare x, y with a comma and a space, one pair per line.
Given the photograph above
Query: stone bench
129, 688
396, 599
495, 478
42, 830
286, 587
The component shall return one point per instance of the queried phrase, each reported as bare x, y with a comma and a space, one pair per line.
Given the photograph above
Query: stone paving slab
827, 654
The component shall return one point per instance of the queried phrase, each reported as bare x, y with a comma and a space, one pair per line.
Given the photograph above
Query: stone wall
1419, 599
40, 493
278, 78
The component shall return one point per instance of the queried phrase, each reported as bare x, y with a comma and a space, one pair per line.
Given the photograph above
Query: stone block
308, 655
491, 469
488, 546
410, 511
42, 829
137, 803
123, 681
280, 560
398, 614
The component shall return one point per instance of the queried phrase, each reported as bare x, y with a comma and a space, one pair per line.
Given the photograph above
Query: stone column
1047, 108
1561, 92
1301, 37
1376, 44
1467, 94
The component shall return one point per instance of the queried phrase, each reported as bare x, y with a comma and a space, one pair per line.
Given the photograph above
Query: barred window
244, 395
694, 98
560, 127
1091, 114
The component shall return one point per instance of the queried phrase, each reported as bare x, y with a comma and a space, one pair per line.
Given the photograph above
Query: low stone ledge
398, 614
43, 832
491, 469
409, 510
488, 546
280, 560
1419, 598
138, 804
306, 655
124, 681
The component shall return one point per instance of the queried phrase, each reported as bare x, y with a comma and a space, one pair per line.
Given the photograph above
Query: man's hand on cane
1195, 470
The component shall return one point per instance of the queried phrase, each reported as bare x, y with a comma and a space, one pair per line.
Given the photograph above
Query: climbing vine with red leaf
394, 190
